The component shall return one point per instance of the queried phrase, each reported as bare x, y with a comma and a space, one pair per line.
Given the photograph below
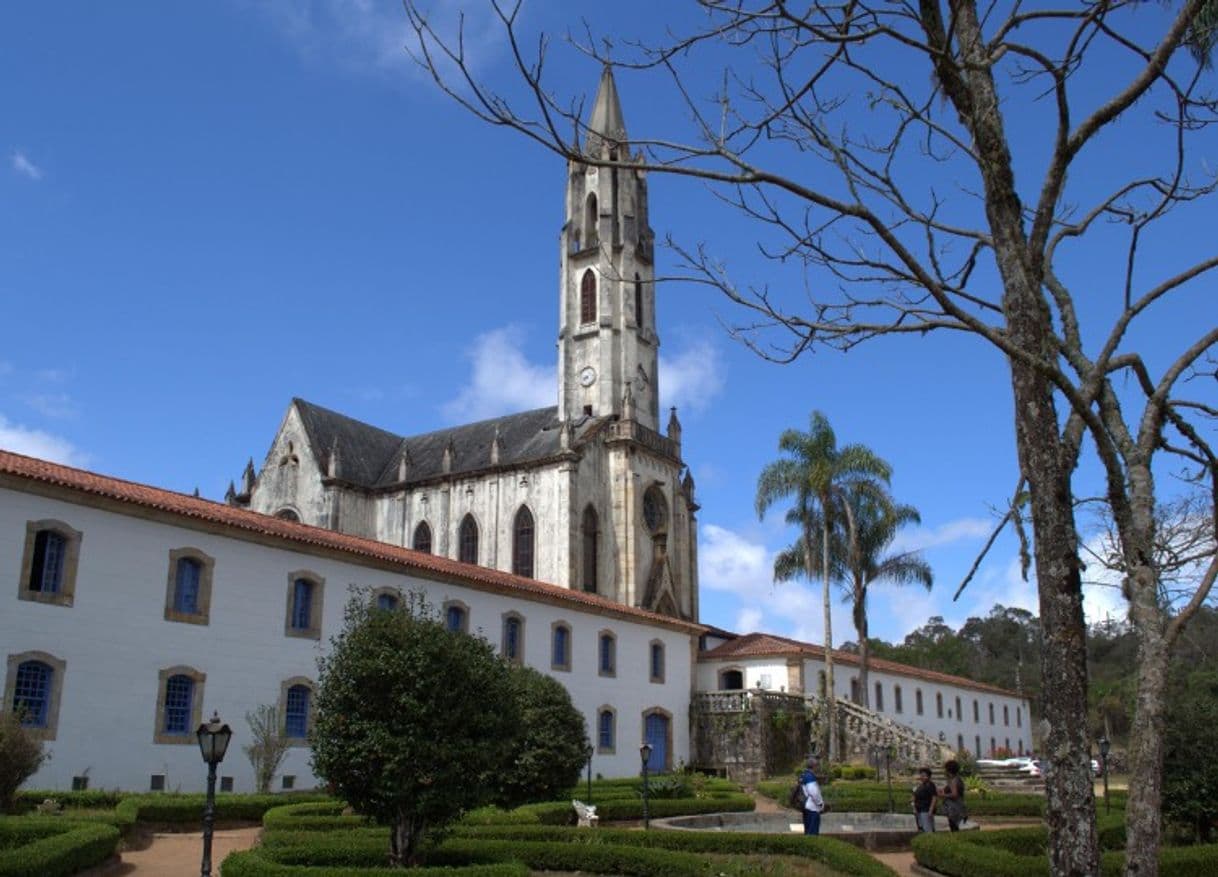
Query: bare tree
878, 147
268, 746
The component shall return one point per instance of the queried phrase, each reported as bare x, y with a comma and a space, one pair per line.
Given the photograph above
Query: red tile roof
768, 645
20, 468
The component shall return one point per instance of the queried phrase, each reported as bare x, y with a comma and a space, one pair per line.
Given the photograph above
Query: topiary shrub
21, 754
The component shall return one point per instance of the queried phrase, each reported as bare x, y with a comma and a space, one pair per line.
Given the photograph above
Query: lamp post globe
213, 736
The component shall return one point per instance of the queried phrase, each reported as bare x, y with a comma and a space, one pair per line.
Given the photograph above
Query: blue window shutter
32, 693
455, 618
296, 713
179, 698
606, 729
302, 600
186, 586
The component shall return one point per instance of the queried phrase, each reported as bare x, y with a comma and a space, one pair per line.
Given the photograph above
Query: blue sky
206, 209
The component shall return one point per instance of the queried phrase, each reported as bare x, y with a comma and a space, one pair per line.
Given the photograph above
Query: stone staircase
861, 731
1006, 778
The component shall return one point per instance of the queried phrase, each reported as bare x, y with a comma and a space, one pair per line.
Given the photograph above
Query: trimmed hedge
253, 864
839, 855
91, 799
33, 846
869, 797
609, 811
1022, 852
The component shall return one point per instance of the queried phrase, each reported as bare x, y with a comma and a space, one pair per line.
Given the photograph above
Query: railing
860, 727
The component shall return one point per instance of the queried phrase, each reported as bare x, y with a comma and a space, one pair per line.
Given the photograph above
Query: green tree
550, 747
818, 475
413, 722
860, 558
1190, 764
21, 755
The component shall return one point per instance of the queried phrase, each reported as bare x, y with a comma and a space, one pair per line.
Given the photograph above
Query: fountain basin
871, 831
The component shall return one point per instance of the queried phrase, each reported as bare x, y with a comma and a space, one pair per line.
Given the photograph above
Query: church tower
607, 342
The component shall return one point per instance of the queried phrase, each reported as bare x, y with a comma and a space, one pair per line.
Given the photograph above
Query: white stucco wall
115, 640
1011, 730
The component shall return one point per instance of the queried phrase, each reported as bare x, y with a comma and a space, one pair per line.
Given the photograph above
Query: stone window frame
976, 711
589, 529
283, 709
66, 595
719, 678
1006, 717
196, 706
898, 703
456, 604
564, 667
207, 565
588, 294
652, 676
918, 702
601, 711
959, 710
377, 593
518, 658
879, 696
1018, 717
668, 753
992, 722
939, 704
50, 729
602, 637
313, 631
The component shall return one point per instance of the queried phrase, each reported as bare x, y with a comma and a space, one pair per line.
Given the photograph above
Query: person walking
953, 796
814, 802
923, 800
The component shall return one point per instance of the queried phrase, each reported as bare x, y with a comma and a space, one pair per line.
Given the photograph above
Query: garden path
170, 855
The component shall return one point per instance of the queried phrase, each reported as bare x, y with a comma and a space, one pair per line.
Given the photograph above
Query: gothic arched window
590, 527
467, 540
422, 538
522, 543
638, 301
591, 220
587, 297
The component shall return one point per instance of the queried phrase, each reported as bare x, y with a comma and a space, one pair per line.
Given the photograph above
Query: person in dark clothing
814, 803
952, 796
923, 800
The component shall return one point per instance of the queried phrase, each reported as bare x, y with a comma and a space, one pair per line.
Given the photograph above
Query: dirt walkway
170, 855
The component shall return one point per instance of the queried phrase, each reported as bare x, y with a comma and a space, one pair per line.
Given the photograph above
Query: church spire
607, 122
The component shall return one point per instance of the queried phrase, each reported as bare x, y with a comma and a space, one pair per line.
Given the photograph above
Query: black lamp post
645, 754
888, 773
588, 752
213, 743
1104, 747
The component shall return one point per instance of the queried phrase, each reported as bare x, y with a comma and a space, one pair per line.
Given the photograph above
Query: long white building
566, 536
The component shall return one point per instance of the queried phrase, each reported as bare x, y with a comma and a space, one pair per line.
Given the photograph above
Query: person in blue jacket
814, 802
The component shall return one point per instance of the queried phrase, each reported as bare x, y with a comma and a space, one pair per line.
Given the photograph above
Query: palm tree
817, 474
873, 522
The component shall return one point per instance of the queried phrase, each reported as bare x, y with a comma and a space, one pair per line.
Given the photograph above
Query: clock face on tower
587, 377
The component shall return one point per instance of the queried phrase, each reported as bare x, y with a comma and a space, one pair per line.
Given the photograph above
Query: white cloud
55, 405
730, 563
502, 381
36, 443
962, 529
372, 35
26, 168
692, 378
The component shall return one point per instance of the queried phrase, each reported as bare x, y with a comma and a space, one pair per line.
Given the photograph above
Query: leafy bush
853, 772
549, 746
52, 847
21, 755
671, 785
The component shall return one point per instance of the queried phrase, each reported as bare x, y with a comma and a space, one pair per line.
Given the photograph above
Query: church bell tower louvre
607, 341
